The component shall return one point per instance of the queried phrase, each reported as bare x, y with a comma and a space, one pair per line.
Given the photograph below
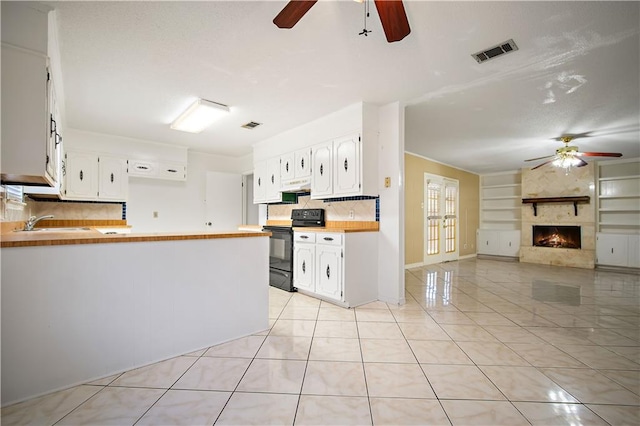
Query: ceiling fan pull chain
365, 31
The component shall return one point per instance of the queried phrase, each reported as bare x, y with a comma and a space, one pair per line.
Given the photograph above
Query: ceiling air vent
495, 51
251, 125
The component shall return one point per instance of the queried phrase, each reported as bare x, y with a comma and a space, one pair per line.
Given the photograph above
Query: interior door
223, 201
441, 230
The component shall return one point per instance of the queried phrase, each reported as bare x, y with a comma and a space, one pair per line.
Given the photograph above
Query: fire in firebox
557, 236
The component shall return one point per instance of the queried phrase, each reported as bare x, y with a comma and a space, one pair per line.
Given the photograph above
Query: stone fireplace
559, 233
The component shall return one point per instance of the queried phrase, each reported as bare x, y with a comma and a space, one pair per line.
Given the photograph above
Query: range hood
297, 185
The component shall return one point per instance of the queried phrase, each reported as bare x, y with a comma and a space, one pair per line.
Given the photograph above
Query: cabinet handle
346, 164
259, 182
139, 167
328, 239
304, 237
611, 250
81, 175
58, 140
286, 166
321, 169
328, 272
54, 125
302, 163
111, 177
304, 267
64, 168
172, 170
208, 223
272, 179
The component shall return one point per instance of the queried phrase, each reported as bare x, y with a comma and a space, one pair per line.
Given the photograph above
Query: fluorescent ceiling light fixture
200, 115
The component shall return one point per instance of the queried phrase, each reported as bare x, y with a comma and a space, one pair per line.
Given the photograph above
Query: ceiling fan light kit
200, 115
568, 156
392, 16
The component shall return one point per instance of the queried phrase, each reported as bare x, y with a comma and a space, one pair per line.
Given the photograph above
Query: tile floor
479, 342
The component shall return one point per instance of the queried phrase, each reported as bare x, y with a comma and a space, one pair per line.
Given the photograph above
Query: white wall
391, 235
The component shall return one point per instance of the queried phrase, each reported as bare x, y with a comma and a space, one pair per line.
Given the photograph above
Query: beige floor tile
438, 352
48, 409
545, 355
334, 378
105, 381
599, 357
489, 318
628, 379
380, 350
197, 353
208, 373
413, 316
483, 413
461, 382
246, 347
397, 381
528, 319
491, 353
414, 331
333, 410
284, 347
114, 406
188, 408
335, 349
591, 387
336, 313
562, 336
299, 312
285, 327
526, 384
512, 334
259, 409
398, 411
468, 333
618, 415
302, 300
379, 330
344, 329
273, 376
159, 375
556, 414
629, 352
375, 315
374, 305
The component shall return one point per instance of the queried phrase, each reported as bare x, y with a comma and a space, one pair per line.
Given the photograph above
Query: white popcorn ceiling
130, 68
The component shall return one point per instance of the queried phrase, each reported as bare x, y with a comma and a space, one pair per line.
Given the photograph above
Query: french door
441, 230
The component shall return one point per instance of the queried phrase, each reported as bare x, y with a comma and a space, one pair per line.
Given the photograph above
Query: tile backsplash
364, 210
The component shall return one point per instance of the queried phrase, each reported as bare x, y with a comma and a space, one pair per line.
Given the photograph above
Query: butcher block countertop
93, 236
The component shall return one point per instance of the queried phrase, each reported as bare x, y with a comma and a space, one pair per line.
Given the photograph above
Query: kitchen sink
77, 229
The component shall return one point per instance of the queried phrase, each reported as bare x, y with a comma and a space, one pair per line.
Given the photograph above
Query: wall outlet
351, 214
155, 215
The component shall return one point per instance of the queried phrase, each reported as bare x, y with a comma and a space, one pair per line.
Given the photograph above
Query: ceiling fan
391, 12
568, 156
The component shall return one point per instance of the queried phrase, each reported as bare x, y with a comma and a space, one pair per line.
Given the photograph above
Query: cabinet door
329, 271
113, 180
302, 161
53, 156
634, 251
287, 167
509, 243
611, 249
273, 180
81, 177
259, 183
321, 173
487, 241
346, 165
303, 270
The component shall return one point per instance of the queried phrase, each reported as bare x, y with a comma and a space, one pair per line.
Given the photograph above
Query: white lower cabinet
498, 242
618, 250
336, 266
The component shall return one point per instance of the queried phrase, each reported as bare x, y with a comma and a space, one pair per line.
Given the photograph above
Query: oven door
281, 257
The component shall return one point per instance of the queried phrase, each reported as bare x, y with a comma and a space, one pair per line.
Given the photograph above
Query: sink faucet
29, 224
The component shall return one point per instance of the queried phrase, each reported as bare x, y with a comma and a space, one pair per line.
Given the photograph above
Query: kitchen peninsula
80, 305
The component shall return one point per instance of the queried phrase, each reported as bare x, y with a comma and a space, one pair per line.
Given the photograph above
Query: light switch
387, 182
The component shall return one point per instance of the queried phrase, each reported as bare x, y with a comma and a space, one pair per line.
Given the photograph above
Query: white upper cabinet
302, 163
266, 181
287, 167
346, 154
89, 176
321, 171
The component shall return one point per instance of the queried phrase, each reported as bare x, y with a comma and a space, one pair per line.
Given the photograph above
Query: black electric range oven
281, 246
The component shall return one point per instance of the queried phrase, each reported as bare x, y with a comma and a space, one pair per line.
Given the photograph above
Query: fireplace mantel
570, 200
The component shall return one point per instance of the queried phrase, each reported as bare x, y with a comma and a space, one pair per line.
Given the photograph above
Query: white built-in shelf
509, 197
619, 196
619, 210
500, 209
604, 179
511, 185
500, 201
501, 220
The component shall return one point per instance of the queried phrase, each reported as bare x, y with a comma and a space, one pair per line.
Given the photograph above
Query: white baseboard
414, 265
469, 256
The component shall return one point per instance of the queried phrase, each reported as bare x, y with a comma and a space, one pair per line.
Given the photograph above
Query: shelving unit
500, 201
618, 193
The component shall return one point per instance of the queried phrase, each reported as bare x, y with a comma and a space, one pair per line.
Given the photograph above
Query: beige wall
415, 168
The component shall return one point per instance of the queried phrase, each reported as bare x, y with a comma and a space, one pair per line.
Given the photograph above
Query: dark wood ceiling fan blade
540, 158
540, 165
582, 163
292, 13
394, 19
600, 154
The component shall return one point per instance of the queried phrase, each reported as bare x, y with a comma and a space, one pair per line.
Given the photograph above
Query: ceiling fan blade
582, 163
394, 19
292, 13
540, 165
540, 158
599, 154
